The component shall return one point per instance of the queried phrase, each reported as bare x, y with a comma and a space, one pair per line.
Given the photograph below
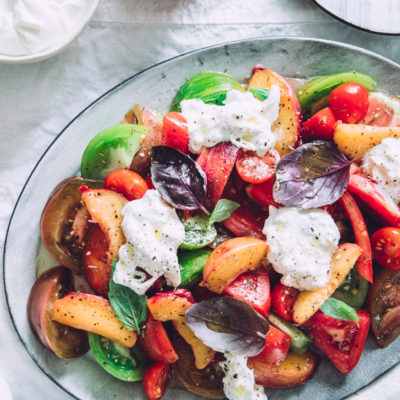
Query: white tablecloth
125, 36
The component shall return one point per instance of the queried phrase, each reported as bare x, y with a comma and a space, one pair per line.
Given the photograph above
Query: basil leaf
338, 309
314, 175
261, 93
198, 233
180, 180
223, 210
228, 324
130, 307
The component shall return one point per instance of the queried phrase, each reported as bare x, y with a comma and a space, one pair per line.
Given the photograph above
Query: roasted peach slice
93, 314
231, 259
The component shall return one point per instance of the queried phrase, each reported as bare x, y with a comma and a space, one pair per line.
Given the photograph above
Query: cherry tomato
126, 182
386, 247
277, 345
156, 380
283, 298
341, 341
175, 132
95, 261
255, 169
349, 102
155, 341
320, 126
253, 288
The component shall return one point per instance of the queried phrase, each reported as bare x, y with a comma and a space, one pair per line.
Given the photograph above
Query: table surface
125, 36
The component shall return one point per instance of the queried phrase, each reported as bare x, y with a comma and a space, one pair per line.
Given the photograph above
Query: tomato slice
320, 126
126, 182
156, 380
379, 114
253, 288
341, 341
386, 247
349, 102
283, 298
276, 348
255, 169
175, 132
155, 341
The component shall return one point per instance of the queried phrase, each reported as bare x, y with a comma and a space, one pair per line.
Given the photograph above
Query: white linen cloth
125, 36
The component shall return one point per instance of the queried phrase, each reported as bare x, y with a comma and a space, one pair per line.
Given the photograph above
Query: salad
225, 240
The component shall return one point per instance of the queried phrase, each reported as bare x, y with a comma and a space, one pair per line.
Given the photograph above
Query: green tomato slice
127, 364
192, 265
211, 87
112, 149
198, 233
313, 94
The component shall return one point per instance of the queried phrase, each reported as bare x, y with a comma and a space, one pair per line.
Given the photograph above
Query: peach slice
231, 259
93, 314
105, 207
288, 125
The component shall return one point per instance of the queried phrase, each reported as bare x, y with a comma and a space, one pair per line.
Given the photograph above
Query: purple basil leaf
180, 180
314, 175
228, 324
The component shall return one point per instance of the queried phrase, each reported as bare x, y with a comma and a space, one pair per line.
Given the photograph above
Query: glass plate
155, 88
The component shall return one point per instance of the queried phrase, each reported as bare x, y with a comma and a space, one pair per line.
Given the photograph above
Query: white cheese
243, 120
382, 164
239, 383
301, 245
153, 232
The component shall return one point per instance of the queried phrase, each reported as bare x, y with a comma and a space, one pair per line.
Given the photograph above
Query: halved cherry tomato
277, 345
283, 298
95, 261
364, 262
155, 341
261, 193
156, 380
126, 182
255, 169
386, 247
349, 102
253, 288
320, 126
341, 341
175, 132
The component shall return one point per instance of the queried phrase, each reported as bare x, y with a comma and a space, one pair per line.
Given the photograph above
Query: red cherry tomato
277, 345
349, 102
155, 341
253, 288
255, 169
320, 126
156, 380
175, 132
386, 247
341, 341
283, 298
128, 183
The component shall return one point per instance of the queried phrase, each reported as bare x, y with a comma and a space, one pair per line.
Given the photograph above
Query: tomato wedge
341, 341
253, 288
283, 298
276, 348
364, 263
156, 380
175, 132
261, 193
386, 247
320, 126
255, 169
155, 341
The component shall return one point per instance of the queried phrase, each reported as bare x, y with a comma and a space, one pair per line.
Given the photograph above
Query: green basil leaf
198, 233
223, 210
338, 309
227, 324
260, 93
130, 307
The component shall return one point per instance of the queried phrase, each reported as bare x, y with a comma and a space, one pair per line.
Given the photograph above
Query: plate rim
103, 96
